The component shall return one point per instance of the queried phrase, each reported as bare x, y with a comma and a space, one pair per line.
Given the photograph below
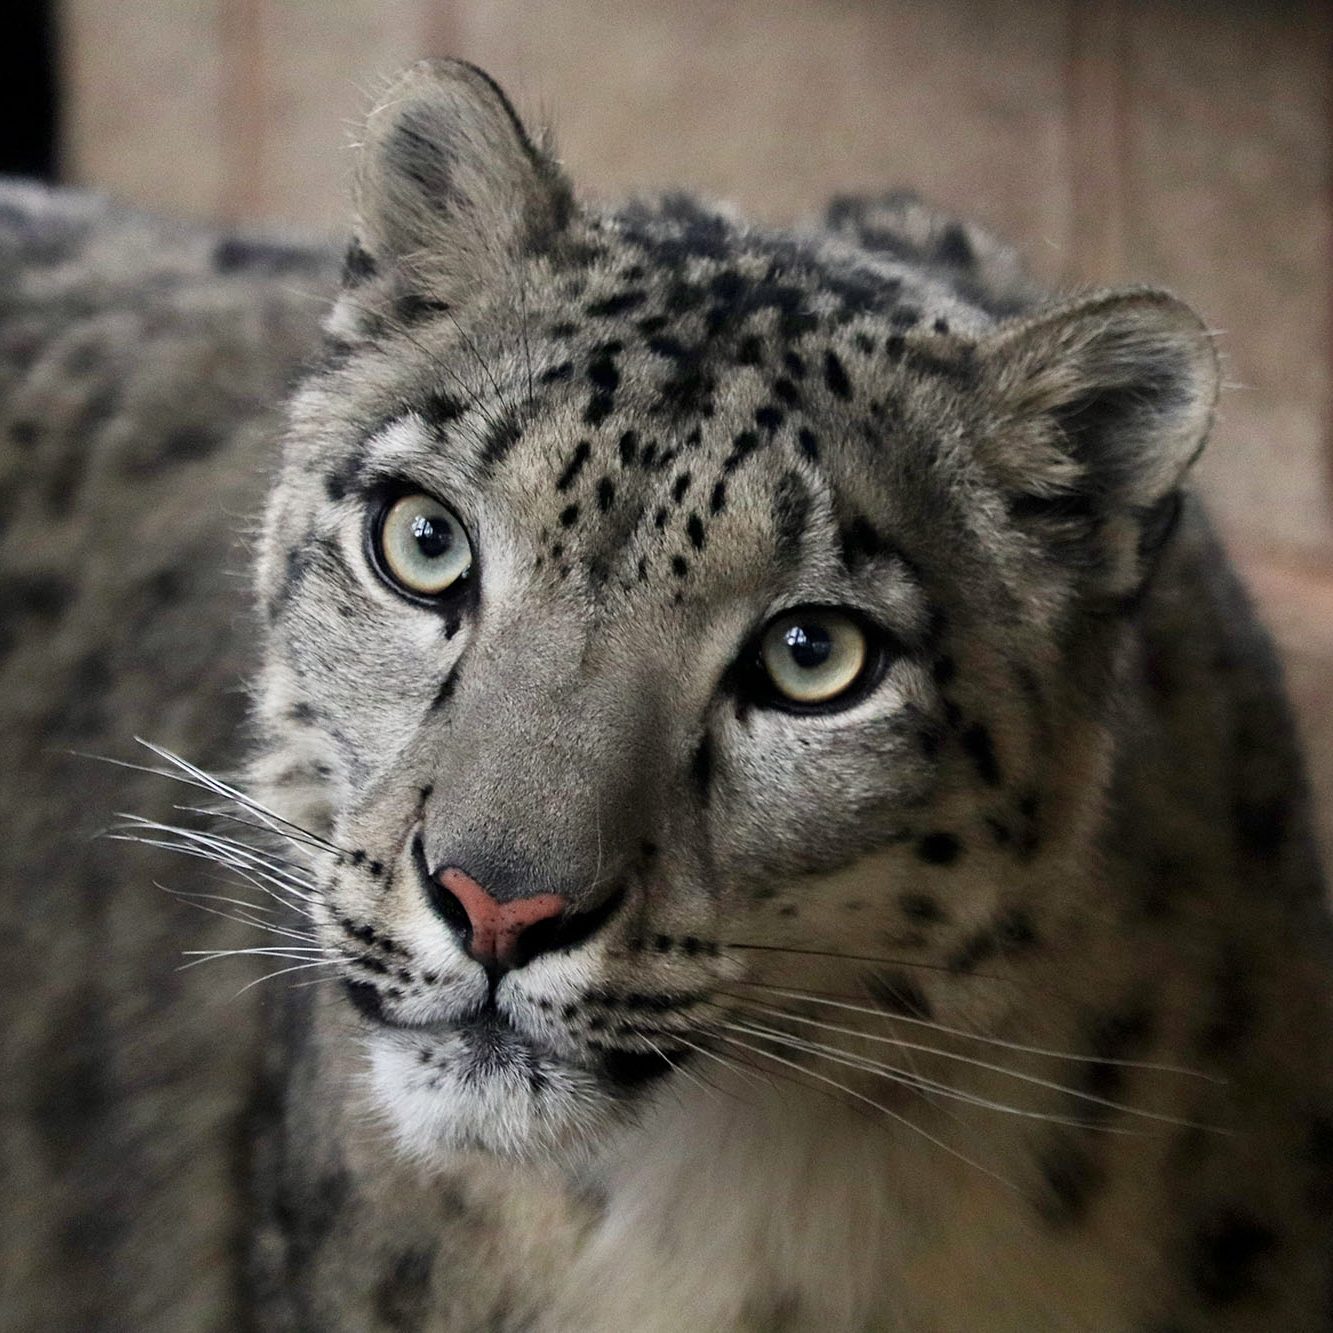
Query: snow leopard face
665, 615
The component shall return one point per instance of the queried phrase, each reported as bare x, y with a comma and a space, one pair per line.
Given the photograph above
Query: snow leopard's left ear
450, 187
1102, 405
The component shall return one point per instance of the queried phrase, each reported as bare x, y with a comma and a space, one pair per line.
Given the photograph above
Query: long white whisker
300, 839
870, 1101
814, 997
729, 1065
225, 851
267, 927
203, 854
920, 1082
215, 788
283, 971
677, 1068
221, 788
1077, 1093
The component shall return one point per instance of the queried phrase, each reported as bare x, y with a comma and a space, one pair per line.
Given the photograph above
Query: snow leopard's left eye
420, 547
814, 656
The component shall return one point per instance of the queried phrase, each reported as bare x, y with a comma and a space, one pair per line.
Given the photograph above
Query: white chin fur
525, 1108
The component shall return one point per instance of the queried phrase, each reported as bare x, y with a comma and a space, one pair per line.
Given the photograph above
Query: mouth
489, 1046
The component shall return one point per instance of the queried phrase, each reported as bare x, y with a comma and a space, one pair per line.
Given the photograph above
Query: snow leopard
761, 802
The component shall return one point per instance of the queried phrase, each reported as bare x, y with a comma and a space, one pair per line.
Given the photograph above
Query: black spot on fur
603, 374
619, 304
1015, 931
718, 500
557, 374
977, 743
749, 351
978, 948
680, 486
859, 543
446, 690
40, 597
1072, 1178
358, 265
575, 465
501, 437
742, 447
809, 443
680, 567
569, 515
343, 479
606, 494
1228, 1252
402, 1296
24, 434
694, 528
701, 769
921, 908
769, 416
835, 375
629, 444
600, 406
438, 408
633, 1069
953, 248
939, 849
365, 999
1111, 1038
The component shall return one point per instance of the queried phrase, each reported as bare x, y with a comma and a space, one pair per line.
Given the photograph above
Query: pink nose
496, 926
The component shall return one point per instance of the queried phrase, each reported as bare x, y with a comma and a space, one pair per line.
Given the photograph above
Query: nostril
502, 934
495, 927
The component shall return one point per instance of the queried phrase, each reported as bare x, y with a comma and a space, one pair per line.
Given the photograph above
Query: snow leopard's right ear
450, 187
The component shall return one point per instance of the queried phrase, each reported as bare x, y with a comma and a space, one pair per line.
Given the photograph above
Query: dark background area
28, 91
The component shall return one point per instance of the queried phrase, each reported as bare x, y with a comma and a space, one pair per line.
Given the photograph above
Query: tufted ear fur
1104, 403
449, 186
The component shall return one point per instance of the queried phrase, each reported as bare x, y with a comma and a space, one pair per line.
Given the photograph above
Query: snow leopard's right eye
419, 547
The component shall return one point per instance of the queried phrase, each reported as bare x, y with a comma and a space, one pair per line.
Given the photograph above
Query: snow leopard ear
1104, 402
450, 187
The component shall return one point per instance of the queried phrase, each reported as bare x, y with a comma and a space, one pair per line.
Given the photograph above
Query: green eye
812, 656
422, 547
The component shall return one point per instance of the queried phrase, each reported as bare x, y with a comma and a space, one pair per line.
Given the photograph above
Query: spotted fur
996, 998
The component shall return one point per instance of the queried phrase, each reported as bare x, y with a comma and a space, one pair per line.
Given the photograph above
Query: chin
484, 1088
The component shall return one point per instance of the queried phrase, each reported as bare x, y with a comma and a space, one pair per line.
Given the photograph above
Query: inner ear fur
1102, 403
1110, 396
450, 187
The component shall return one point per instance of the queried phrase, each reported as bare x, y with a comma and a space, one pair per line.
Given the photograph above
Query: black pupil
433, 536
809, 645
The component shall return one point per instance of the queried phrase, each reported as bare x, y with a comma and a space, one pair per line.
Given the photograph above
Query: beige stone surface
144, 86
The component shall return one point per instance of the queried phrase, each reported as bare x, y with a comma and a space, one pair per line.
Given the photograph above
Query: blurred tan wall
1184, 142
